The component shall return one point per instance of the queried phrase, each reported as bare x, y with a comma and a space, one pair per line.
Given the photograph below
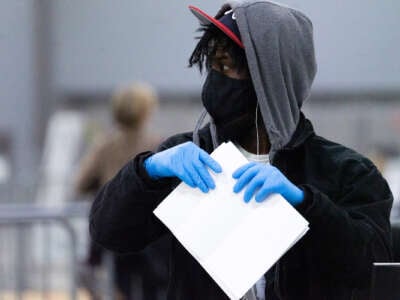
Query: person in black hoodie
260, 64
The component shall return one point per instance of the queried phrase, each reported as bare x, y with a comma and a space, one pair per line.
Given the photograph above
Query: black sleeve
352, 231
121, 217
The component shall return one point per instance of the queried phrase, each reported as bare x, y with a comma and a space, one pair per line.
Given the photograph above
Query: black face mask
231, 103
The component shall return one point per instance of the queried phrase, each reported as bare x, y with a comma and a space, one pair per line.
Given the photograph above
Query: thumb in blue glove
264, 180
186, 161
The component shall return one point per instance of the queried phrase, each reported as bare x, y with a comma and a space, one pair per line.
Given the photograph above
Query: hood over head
278, 41
279, 47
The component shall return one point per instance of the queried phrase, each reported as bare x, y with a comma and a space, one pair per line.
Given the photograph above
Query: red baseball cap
227, 23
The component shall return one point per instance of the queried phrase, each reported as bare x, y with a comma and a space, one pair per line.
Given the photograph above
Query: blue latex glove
264, 180
186, 161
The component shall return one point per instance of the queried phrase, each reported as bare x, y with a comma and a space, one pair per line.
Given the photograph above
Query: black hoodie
347, 201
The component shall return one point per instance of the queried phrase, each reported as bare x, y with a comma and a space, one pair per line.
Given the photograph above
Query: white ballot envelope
234, 241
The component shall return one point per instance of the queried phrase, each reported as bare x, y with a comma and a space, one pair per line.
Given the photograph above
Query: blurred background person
138, 276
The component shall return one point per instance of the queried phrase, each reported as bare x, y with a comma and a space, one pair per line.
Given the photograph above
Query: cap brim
206, 19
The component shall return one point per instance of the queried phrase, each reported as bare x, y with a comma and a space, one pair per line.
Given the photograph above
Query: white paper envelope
235, 242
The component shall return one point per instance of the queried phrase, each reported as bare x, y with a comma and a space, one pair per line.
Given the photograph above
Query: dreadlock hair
212, 40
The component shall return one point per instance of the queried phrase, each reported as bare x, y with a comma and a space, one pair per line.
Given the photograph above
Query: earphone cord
258, 139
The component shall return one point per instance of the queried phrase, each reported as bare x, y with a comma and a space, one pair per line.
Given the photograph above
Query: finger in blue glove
186, 161
262, 180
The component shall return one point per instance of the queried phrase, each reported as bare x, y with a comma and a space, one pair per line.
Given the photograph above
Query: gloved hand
264, 180
186, 161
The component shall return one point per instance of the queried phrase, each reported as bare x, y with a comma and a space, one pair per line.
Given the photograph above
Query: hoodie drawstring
213, 130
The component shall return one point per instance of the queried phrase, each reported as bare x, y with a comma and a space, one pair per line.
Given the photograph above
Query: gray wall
357, 43
17, 79
101, 43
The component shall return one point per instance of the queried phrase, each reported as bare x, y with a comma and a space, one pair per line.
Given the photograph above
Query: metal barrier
19, 217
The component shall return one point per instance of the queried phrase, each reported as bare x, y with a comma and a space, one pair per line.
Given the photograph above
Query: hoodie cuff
150, 183
304, 207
